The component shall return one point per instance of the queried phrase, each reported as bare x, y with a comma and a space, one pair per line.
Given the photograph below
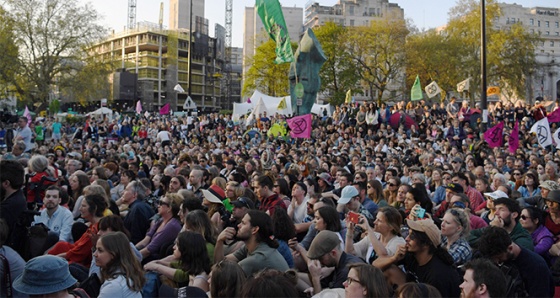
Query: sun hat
322, 244
498, 194
550, 185
428, 227
214, 194
44, 275
348, 192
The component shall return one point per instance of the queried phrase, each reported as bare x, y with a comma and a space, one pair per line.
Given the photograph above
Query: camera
225, 216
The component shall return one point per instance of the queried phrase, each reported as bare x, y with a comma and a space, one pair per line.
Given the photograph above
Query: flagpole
483, 87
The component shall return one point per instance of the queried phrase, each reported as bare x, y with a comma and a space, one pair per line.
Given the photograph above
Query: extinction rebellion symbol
299, 126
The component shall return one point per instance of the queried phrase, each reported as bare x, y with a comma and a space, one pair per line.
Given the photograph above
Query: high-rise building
350, 12
159, 59
180, 13
544, 21
254, 33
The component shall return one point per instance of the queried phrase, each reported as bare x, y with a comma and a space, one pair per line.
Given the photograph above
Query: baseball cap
454, 187
498, 194
348, 192
426, 226
322, 244
243, 202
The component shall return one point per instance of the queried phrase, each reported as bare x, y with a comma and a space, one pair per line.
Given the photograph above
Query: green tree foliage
264, 75
53, 37
453, 55
338, 74
378, 55
10, 51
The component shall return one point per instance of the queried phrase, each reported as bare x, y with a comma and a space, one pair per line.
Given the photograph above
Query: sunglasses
524, 217
516, 174
391, 184
162, 203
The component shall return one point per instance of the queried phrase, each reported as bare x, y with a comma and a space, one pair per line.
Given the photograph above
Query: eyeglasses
516, 174
276, 185
392, 184
161, 203
524, 217
350, 280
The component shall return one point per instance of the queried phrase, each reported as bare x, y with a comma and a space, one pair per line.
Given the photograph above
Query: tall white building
180, 13
350, 12
254, 33
544, 21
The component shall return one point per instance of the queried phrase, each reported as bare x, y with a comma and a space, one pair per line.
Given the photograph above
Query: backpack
514, 283
38, 188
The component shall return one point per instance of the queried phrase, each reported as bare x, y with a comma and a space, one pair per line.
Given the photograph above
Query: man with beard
482, 279
532, 270
507, 217
58, 219
260, 250
13, 200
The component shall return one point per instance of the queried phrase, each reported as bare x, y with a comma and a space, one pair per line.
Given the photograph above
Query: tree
338, 74
10, 52
264, 75
378, 55
53, 37
510, 51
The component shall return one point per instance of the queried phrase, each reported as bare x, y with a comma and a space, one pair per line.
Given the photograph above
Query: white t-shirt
300, 212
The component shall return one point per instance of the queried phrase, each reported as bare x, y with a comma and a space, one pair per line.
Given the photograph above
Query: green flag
416, 91
272, 17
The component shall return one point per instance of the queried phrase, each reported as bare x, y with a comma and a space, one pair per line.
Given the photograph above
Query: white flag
178, 88
432, 89
542, 130
556, 137
464, 85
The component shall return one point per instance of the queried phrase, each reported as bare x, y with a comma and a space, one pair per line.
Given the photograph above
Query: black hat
243, 202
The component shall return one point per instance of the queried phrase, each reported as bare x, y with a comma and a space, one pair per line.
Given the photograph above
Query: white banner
464, 85
542, 130
432, 89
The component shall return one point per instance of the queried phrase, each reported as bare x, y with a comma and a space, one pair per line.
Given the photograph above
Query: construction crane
131, 14
229, 18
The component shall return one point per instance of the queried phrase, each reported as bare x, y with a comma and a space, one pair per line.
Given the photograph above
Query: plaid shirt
269, 203
460, 250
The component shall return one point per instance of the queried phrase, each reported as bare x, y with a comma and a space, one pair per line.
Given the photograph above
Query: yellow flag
348, 97
493, 90
282, 104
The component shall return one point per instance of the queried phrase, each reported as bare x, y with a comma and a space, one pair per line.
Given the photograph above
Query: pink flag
138, 107
300, 126
493, 136
514, 138
554, 116
248, 100
27, 114
164, 110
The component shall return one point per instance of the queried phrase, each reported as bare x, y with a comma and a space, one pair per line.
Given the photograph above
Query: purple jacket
543, 240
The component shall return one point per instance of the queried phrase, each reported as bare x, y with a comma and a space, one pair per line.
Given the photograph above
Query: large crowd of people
403, 200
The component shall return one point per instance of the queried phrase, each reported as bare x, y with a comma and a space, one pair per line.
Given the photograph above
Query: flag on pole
493, 136
556, 137
348, 98
272, 18
164, 110
432, 89
542, 129
493, 90
554, 116
138, 107
464, 85
300, 126
282, 105
514, 138
416, 91
27, 114
178, 88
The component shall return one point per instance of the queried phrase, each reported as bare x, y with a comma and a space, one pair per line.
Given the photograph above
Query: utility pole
483, 86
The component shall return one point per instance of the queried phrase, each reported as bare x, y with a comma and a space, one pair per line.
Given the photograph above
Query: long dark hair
331, 218
264, 222
194, 255
123, 262
284, 228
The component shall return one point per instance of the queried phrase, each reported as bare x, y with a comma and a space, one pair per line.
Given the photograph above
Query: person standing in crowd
23, 133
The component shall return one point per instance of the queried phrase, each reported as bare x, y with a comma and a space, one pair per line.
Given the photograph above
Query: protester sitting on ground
198, 221
284, 230
532, 220
497, 245
46, 276
163, 231
56, 218
380, 240
12, 259
80, 251
391, 190
483, 279
269, 283
78, 181
455, 226
121, 272
188, 266
227, 278
375, 193
424, 260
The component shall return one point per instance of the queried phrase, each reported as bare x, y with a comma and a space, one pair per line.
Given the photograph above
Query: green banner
272, 17
416, 91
